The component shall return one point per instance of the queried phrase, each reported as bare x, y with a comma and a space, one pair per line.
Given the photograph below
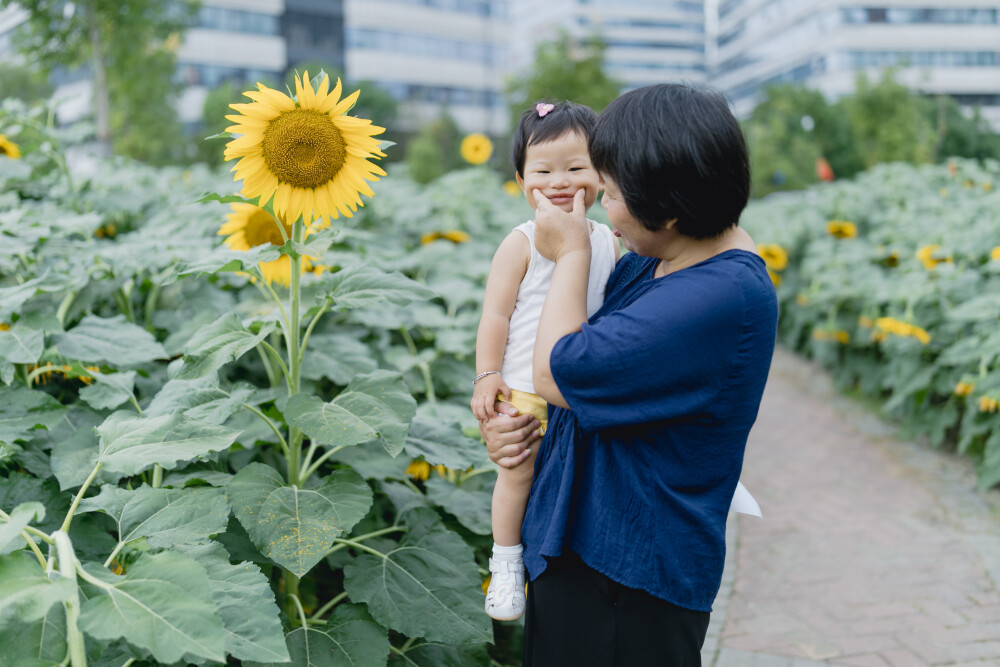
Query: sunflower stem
272, 379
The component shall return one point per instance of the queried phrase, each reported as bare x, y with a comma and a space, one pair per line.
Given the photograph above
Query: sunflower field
892, 282
214, 451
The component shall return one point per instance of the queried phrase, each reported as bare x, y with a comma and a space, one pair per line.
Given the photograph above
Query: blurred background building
648, 41
949, 47
457, 54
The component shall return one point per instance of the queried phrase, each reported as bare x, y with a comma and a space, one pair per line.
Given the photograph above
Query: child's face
559, 168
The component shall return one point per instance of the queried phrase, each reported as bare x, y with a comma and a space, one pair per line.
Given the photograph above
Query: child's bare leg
510, 498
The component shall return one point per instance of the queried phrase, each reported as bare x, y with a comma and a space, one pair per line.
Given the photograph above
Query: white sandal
505, 599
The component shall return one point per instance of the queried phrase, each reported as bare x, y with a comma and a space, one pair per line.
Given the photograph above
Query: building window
903, 15
196, 74
235, 20
860, 59
423, 45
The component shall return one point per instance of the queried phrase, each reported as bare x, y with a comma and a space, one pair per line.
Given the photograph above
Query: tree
24, 83
959, 135
434, 151
213, 121
889, 122
126, 44
565, 69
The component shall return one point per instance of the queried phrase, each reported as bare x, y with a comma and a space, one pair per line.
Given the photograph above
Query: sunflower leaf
21, 344
163, 605
350, 637
223, 199
110, 390
21, 410
26, 593
165, 517
218, 344
114, 340
428, 586
377, 405
223, 259
21, 516
130, 445
245, 602
293, 526
364, 285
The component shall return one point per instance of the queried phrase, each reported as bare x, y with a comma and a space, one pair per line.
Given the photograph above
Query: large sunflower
249, 226
8, 148
306, 153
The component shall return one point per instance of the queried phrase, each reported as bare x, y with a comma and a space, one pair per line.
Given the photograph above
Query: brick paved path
873, 551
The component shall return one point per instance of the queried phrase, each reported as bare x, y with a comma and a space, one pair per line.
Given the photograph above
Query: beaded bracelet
482, 375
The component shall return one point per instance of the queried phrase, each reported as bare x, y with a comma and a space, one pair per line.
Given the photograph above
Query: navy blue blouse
663, 383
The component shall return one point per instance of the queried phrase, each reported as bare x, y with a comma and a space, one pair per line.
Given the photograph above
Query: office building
432, 55
949, 47
648, 41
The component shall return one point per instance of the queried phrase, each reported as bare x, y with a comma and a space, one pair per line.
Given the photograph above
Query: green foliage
881, 122
434, 151
888, 122
23, 82
905, 311
129, 47
565, 69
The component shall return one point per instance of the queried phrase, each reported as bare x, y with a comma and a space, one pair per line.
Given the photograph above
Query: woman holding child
651, 398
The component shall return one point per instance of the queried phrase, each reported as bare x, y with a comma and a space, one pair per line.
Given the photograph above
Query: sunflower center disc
304, 148
262, 229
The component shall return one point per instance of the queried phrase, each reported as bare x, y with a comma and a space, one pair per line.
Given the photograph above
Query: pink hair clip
543, 108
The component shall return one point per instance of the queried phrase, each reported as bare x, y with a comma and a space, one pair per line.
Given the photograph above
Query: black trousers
577, 617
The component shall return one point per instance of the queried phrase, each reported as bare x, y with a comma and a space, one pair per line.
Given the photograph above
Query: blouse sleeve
665, 356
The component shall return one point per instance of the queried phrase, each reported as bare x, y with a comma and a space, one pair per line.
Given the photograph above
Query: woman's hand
558, 233
509, 436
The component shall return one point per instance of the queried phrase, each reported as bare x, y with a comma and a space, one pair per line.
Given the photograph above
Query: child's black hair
675, 151
534, 128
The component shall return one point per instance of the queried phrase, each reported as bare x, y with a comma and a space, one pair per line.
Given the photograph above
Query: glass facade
447, 95
235, 20
859, 59
972, 16
478, 7
199, 74
424, 45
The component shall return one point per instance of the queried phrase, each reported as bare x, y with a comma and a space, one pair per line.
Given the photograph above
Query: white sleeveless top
516, 367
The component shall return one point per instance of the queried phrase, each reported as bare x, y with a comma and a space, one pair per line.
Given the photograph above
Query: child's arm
510, 263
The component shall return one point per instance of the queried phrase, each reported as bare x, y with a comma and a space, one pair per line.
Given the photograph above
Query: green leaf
470, 507
113, 340
292, 526
223, 199
339, 357
443, 443
6, 372
163, 604
21, 344
25, 592
130, 445
246, 604
21, 410
39, 644
377, 405
426, 587
350, 637
74, 444
223, 259
218, 344
10, 532
364, 285
12, 298
165, 517
109, 390
440, 655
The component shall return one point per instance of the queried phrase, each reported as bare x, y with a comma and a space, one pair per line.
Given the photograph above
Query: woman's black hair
533, 128
675, 151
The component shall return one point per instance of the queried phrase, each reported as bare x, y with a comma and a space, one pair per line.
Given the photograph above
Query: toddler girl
550, 155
